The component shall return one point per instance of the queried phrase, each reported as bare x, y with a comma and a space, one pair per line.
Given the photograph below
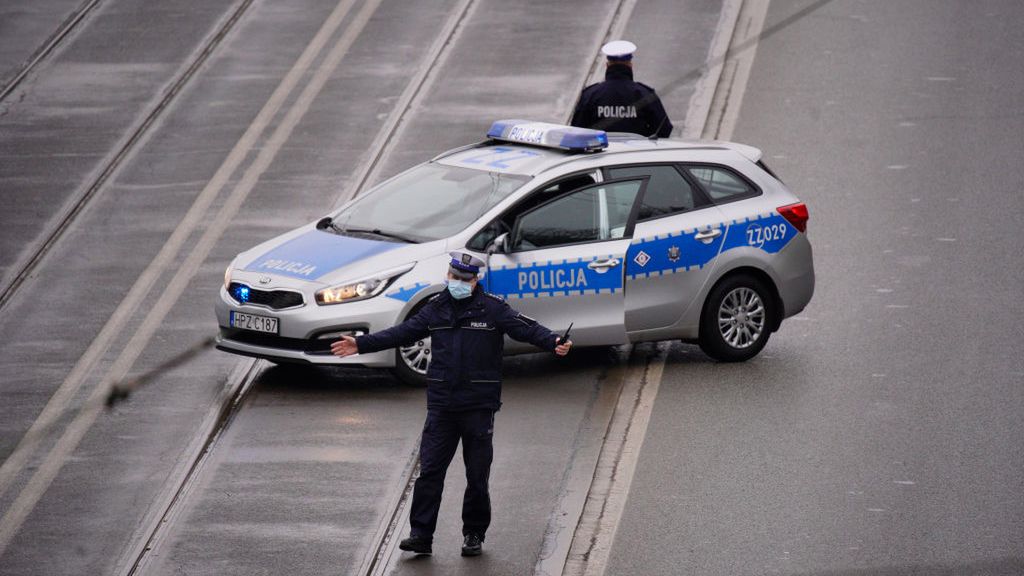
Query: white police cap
619, 50
465, 262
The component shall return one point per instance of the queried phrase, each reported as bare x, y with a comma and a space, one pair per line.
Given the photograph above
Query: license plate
254, 322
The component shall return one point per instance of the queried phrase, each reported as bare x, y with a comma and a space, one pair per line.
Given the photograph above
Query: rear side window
721, 184
667, 191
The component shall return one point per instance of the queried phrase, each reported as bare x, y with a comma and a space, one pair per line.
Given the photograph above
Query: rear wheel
736, 321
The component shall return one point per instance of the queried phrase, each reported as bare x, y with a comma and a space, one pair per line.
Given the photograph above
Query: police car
630, 239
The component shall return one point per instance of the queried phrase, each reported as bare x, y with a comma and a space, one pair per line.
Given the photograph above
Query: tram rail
24, 267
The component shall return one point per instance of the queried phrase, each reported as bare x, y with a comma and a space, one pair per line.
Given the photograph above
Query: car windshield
428, 202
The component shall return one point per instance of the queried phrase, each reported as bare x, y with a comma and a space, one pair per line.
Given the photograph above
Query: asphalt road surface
878, 433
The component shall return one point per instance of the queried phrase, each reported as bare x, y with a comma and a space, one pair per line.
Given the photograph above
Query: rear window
722, 184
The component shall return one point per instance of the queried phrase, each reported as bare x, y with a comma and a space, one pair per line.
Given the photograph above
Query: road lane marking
613, 25
704, 90
724, 109
616, 466
33, 255
712, 114
579, 474
419, 85
74, 433
164, 260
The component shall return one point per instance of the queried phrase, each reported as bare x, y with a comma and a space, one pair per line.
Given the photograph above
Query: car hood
322, 257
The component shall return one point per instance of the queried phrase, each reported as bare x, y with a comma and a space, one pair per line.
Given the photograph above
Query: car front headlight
359, 290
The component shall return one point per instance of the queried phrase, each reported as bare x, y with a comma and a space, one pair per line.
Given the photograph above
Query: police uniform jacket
621, 105
467, 340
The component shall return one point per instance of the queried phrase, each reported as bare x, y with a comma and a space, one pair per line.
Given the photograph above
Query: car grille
276, 299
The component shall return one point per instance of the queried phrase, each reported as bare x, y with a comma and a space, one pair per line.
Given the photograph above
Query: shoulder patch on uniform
494, 296
434, 297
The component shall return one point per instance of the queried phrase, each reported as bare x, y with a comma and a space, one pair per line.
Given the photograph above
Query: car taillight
795, 214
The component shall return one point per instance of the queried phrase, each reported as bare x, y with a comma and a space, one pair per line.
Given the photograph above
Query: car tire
411, 362
737, 319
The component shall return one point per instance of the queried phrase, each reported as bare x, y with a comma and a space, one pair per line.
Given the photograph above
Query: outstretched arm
413, 329
525, 329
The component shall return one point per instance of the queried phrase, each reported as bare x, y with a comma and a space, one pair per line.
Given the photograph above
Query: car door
565, 261
677, 237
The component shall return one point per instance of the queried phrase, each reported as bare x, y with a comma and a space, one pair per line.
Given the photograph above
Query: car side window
496, 227
667, 191
721, 184
596, 213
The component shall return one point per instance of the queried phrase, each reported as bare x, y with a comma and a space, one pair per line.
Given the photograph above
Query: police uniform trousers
441, 435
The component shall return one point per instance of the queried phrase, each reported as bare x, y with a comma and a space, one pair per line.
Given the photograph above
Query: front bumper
306, 333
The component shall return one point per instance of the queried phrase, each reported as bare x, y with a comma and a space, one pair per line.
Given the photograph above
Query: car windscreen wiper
376, 232
328, 223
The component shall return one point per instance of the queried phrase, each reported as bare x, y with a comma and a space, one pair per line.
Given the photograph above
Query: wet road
880, 431
877, 434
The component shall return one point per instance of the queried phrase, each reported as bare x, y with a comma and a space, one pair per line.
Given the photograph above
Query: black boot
472, 545
417, 544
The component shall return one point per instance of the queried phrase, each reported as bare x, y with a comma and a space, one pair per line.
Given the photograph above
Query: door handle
708, 235
603, 265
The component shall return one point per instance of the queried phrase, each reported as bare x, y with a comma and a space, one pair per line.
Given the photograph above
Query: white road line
704, 91
163, 261
724, 109
74, 433
614, 25
616, 466
578, 477
712, 113
418, 85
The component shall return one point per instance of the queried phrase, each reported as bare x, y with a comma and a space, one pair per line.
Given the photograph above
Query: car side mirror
499, 244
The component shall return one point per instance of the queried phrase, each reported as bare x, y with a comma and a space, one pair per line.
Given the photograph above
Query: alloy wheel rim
417, 356
741, 318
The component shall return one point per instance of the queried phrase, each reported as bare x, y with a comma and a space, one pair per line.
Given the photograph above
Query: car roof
526, 160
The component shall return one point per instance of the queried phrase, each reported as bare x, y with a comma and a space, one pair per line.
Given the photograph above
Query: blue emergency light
242, 293
549, 135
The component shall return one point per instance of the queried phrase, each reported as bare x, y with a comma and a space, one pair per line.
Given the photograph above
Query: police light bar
549, 135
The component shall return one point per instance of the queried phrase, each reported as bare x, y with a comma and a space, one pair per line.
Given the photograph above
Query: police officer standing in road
619, 104
467, 327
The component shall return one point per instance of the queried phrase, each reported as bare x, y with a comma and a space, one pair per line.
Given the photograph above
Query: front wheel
411, 363
735, 323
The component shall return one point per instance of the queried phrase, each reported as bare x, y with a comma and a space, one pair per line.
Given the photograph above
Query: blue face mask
459, 289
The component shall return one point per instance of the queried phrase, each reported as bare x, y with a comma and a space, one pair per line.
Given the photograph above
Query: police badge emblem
673, 253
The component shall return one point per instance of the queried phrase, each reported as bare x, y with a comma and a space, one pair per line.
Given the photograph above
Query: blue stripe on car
558, 278
406, 293
768, 232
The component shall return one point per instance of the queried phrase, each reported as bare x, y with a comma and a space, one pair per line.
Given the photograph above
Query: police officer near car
467, 327
619, 104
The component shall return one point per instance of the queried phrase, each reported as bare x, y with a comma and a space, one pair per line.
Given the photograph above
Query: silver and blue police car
628, 238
